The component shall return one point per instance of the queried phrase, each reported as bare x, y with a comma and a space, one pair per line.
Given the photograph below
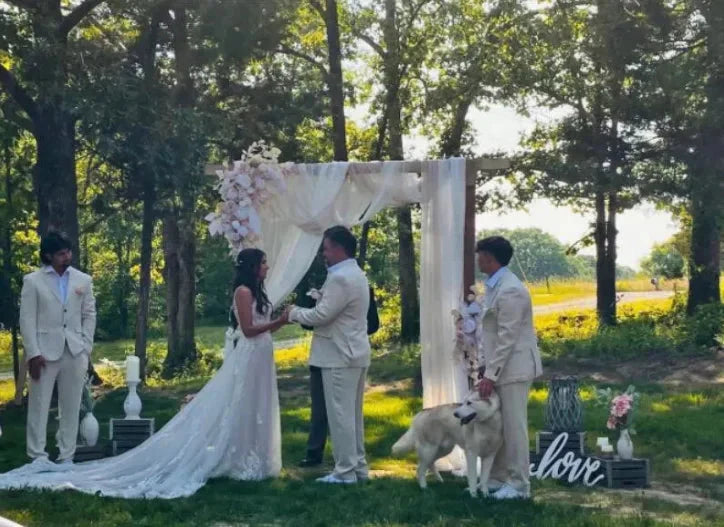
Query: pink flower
611, 423
620, 405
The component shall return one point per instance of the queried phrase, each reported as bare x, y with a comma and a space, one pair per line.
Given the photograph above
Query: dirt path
590, 302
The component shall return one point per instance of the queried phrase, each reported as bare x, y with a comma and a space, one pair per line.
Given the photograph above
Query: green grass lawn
681, 431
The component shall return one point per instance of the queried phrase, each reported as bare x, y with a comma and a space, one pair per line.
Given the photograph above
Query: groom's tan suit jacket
509, 345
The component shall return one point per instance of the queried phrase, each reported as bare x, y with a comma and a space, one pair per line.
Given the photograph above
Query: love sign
568, 466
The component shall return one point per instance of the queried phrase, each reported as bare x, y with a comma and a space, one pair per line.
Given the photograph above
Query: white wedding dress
231, 428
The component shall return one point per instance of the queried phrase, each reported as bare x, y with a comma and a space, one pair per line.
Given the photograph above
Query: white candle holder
132, 404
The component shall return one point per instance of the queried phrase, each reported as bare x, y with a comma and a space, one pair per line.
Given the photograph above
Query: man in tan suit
57, 321
341, 348
511, 361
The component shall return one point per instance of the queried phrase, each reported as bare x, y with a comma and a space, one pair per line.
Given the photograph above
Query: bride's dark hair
248, 263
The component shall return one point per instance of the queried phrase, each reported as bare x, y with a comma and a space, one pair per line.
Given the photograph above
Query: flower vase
624, 446
89, 429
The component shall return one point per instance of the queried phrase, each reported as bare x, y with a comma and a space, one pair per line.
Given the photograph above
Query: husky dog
475, 425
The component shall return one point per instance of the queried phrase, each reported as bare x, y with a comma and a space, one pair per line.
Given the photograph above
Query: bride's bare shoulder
243, 293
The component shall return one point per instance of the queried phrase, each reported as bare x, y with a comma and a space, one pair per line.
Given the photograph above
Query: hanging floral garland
468, 331
243, 188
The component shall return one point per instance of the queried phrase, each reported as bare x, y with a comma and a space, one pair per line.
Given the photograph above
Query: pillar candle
133, 368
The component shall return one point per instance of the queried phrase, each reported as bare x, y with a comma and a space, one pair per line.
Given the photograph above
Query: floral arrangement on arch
468, 331
621, 408
243, 188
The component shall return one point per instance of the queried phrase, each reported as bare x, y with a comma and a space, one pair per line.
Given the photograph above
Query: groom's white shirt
339, 319
57, 310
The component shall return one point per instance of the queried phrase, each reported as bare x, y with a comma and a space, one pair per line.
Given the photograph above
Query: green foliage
642, 329
538, 255
388, 306
665, 261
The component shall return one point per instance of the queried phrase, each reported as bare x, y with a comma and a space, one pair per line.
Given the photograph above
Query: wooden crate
126, 434
576, 442
90, 453
623, 474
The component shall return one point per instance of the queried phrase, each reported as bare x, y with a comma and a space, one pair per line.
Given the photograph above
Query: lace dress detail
231, 428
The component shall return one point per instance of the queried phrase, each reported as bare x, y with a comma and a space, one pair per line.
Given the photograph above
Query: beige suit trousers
512, 463
344, 390
69, 372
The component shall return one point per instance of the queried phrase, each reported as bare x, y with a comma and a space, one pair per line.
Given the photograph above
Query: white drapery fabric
320, 196
444, 380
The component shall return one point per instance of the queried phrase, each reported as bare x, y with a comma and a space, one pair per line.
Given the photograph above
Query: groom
57, 321
341, 349
511, 362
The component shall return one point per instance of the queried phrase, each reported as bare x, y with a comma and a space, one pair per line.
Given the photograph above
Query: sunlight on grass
699, 467
539, 395
292, 357
660, 407
392, 408
688, 399
7, 390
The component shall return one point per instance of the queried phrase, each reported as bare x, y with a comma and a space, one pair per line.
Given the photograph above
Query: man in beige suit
341, 348
511, 361
57, 321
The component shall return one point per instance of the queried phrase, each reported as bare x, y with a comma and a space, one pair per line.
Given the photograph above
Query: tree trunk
364, 243
54, 177
335, 81
452, 137
409, 299
609, 287
9, 302
179, 248
179, 228
704, 260
708, 190
605, 301
144, 287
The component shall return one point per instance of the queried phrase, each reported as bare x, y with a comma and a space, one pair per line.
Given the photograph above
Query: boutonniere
315, 294
79, 291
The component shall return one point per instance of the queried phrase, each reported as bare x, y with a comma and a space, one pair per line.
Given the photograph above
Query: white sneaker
65, 464
42, 464
509, 493
331, 478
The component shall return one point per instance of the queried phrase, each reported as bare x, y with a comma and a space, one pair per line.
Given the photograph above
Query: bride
231, 427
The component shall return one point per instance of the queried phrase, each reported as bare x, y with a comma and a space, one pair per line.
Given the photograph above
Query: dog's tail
405, 444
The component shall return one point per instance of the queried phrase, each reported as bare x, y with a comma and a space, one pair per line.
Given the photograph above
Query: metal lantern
564, 409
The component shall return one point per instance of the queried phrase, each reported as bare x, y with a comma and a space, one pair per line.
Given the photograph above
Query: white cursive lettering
557, 467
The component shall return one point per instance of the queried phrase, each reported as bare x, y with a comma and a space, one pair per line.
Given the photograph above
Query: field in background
560, 291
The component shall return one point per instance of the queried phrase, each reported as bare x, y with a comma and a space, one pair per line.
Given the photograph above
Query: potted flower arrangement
621, 415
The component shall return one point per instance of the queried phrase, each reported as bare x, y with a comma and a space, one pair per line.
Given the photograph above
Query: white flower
474, 309
251, 181
244, 180
469, 326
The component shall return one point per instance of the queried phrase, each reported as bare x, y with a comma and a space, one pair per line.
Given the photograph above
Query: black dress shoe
310, 462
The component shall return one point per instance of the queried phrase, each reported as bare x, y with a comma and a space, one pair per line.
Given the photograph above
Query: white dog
476, 426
